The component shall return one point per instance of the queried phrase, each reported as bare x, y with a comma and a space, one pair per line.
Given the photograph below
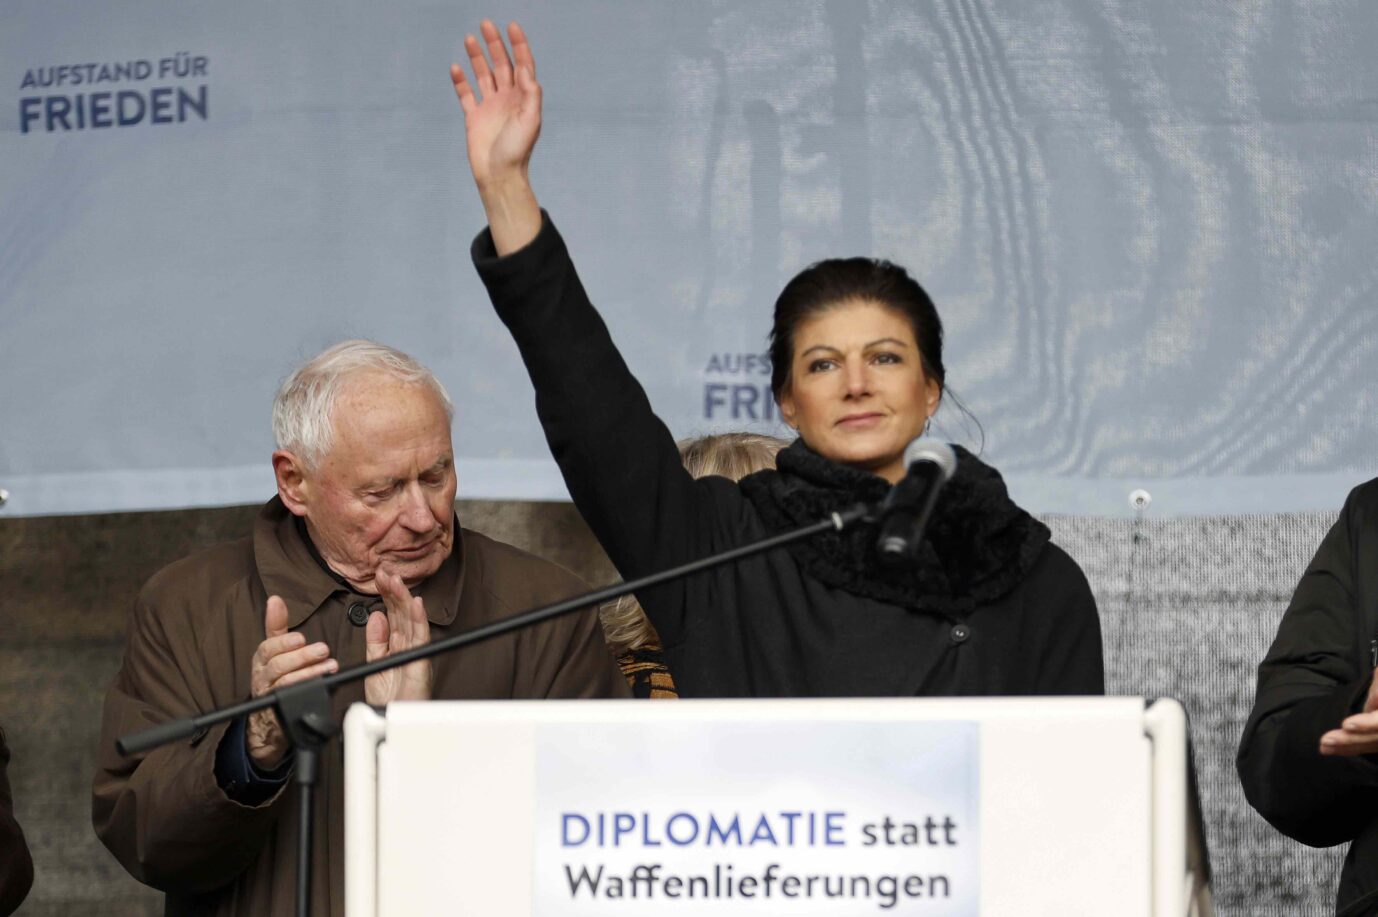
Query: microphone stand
304, 708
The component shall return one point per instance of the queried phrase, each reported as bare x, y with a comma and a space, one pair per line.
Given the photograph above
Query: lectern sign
666, 818
1003, 807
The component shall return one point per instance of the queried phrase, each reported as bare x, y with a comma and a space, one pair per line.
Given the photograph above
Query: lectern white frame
1086, 805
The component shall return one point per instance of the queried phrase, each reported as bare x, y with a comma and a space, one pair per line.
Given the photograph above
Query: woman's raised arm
618, 459
502, 119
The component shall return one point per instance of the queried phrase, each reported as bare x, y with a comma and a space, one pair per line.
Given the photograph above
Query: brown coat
192, 632
16, 866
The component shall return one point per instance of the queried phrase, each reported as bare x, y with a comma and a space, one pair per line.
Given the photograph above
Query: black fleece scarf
978, 547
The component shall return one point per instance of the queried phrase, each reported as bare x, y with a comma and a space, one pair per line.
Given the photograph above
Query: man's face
383, 496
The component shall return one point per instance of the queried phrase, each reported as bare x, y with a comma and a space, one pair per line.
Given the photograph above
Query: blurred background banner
1150, 228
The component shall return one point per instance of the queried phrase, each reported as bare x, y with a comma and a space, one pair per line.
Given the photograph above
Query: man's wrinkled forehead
377, 417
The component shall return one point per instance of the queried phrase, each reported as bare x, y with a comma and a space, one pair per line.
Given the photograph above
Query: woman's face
857, 392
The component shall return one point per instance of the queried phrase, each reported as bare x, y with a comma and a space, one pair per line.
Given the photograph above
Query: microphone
905, 512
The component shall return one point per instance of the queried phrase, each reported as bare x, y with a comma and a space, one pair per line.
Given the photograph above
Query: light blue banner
1149, 228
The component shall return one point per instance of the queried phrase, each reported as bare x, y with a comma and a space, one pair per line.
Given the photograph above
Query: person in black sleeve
16, 866
989, 607
1308, 758
629, 633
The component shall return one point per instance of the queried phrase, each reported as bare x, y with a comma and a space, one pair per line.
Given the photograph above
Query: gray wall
1188, 608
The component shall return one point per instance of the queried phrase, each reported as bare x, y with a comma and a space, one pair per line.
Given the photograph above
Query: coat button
358, 614
960, 634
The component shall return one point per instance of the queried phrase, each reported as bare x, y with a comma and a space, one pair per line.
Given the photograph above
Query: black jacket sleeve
618, 458
1316, 673
16, 866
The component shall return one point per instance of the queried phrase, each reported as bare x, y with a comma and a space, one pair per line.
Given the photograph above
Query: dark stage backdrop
1188, 607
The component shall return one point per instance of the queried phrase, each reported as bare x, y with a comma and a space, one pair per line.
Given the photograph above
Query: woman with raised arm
989, 607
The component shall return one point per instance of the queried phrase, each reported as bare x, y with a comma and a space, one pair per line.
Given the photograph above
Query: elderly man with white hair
358, 556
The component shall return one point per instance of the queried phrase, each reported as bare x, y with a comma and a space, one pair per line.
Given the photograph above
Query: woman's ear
785, 400
934, 397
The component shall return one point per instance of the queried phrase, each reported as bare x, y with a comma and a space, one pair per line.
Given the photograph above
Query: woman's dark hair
826, 284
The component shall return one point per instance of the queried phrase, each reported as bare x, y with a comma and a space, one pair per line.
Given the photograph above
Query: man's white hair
302, 411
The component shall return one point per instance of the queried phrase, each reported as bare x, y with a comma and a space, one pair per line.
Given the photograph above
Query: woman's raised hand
502, 105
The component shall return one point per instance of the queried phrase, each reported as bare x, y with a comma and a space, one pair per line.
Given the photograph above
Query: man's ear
293, 486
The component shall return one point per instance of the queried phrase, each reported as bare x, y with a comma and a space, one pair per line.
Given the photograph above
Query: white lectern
1077, 806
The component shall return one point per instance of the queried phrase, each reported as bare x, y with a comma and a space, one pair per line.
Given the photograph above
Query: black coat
16, 866
1316, 673
1001, 611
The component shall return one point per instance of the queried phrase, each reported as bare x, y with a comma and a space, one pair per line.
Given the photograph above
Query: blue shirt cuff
241, 779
